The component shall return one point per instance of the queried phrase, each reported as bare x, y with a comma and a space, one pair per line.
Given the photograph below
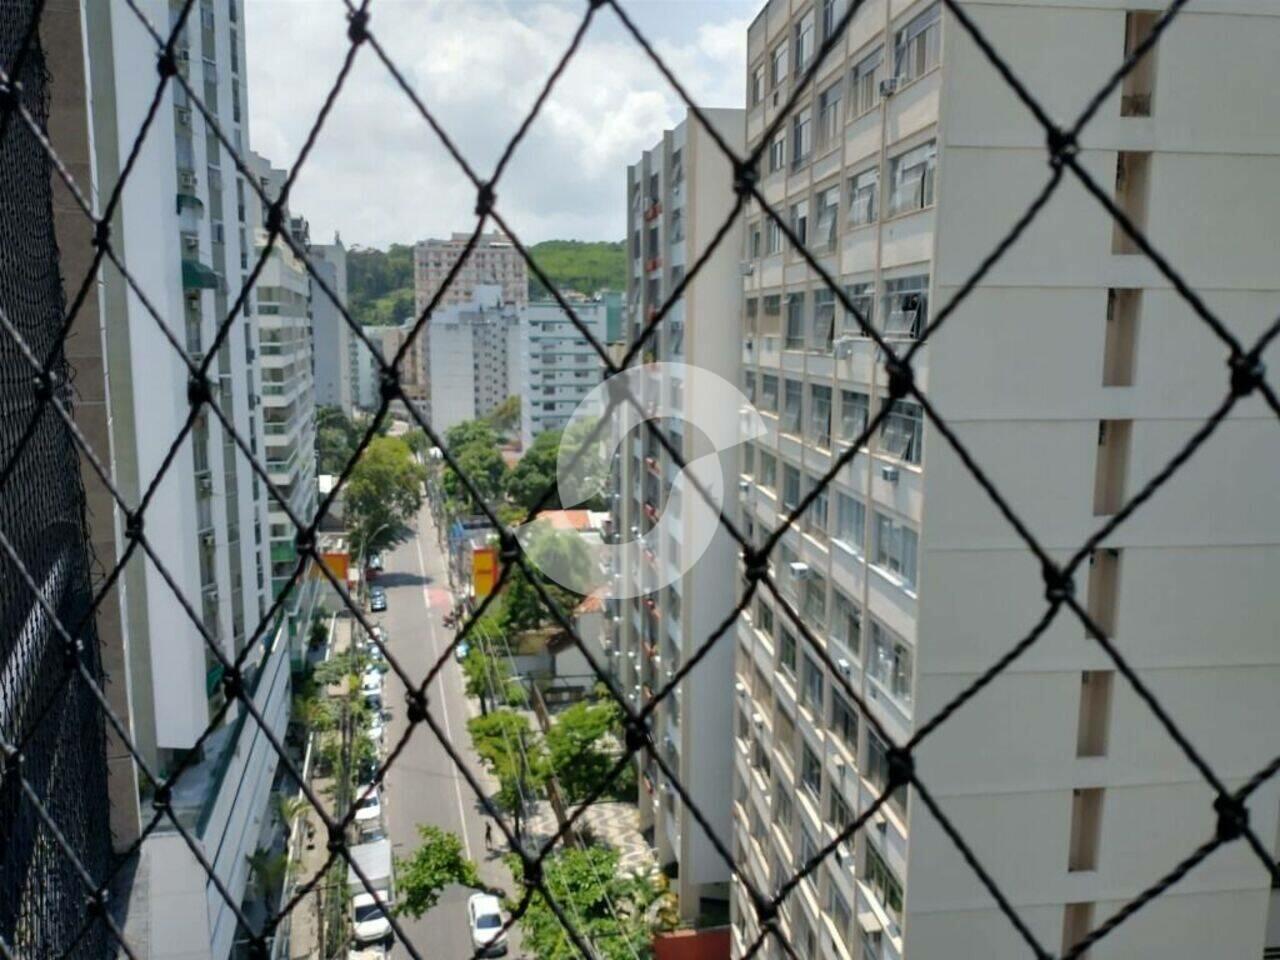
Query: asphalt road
423, 785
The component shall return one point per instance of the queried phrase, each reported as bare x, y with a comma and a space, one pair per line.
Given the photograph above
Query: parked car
368, 807
369, 921
377, 600
371, 680
375, 952
375, 561
461, 650
484, 914
376, 731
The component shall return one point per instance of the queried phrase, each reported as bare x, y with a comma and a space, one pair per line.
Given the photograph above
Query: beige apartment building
1073, 374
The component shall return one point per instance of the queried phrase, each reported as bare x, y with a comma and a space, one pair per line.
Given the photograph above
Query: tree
437, 862
269, 870
615, 912
337, 438
577, 747
538, 469
535, 472
565, 557
508, 747
384, 490
505, 417
483, 674
475, 447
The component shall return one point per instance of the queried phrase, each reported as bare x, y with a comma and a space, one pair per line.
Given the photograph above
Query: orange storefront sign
484, 570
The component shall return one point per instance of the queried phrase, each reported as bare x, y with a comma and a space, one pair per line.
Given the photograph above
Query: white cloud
378, 174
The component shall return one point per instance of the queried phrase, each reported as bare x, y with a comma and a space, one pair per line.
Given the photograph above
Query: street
423, 784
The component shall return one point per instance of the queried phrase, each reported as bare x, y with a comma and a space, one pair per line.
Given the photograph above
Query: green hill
380, 282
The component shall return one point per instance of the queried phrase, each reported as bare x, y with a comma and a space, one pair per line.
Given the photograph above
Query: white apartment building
333, 339
363, 375
562, 365
1073, 373
183, 231
288, 389
494, 260
475, 353
679, 193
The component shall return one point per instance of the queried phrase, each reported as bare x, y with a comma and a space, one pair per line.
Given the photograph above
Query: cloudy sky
378, 174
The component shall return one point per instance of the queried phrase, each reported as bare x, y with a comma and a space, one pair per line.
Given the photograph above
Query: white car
368, 808
371, 681
484, 914
376, 731
369, 918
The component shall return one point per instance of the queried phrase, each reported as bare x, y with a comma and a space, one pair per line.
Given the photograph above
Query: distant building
613, 309
560, 365
333, 337
493, 261
475, 358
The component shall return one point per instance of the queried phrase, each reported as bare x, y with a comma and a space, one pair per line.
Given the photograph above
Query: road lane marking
444, 700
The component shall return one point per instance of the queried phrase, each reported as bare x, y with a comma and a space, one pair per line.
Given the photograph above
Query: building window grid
896, 549
864, 83
906, 306
791, 410
917, 47
820, 416
863, 188
795, 338
890, 662
911, 179
902, 431
851, 520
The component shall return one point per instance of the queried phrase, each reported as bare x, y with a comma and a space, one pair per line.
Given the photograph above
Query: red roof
567, 519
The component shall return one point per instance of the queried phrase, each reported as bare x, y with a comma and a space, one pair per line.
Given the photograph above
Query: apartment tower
679, 194
562, 366
334, 340
1072, 373
475, 357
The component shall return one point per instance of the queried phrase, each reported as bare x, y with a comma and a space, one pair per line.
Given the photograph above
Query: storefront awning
196, 276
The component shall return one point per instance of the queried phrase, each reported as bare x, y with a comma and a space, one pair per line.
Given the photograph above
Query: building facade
679, 194
185, 229
332, 336
561, 365
492, 261
1072, 374
475, 353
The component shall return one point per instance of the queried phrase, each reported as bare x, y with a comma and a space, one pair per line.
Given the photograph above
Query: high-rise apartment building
1073, 373
493, 260
475, 353
288, 389
185, 230
561, 365
679, 193
333, 339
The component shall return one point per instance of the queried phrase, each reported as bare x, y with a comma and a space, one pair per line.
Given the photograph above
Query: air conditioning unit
844, 666
889, 474
888, 86
207, 538
191, 241
740, 688
799, 570
758, 720
184, 116
844, 347
744, 486
205, 485
183, 54
748, 268
187, 180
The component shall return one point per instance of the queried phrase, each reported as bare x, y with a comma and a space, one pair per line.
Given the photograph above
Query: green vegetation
511, 751
437, 863
380, 284
579, 752
614, 912
579, 265
536, 470
384, 490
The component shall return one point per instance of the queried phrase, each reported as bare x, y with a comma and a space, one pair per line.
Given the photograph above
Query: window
757, 84
824, 314
911, 178
804, 42
820, 416
881, 880
851, 521
844, 722
829, 116
878, 772
826, 218
902, 431
832, 11
917, 46
752, 312
778, 153
772, 311
862, 196
795, 322
855, 407
784, 734
769, 392
749, 384
815, 517
748, 461
1095, 712
810, 778
790, 487
801, 138
864, 83
890, 663
862, 297
791, 407
764, 617
800, 221
772, 239
839, 816
906, 306
1086, 829
895, 549
782, 807
1139, 83
787, 653
811, 695
837, 907
846, 623
778, 66
768, 471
